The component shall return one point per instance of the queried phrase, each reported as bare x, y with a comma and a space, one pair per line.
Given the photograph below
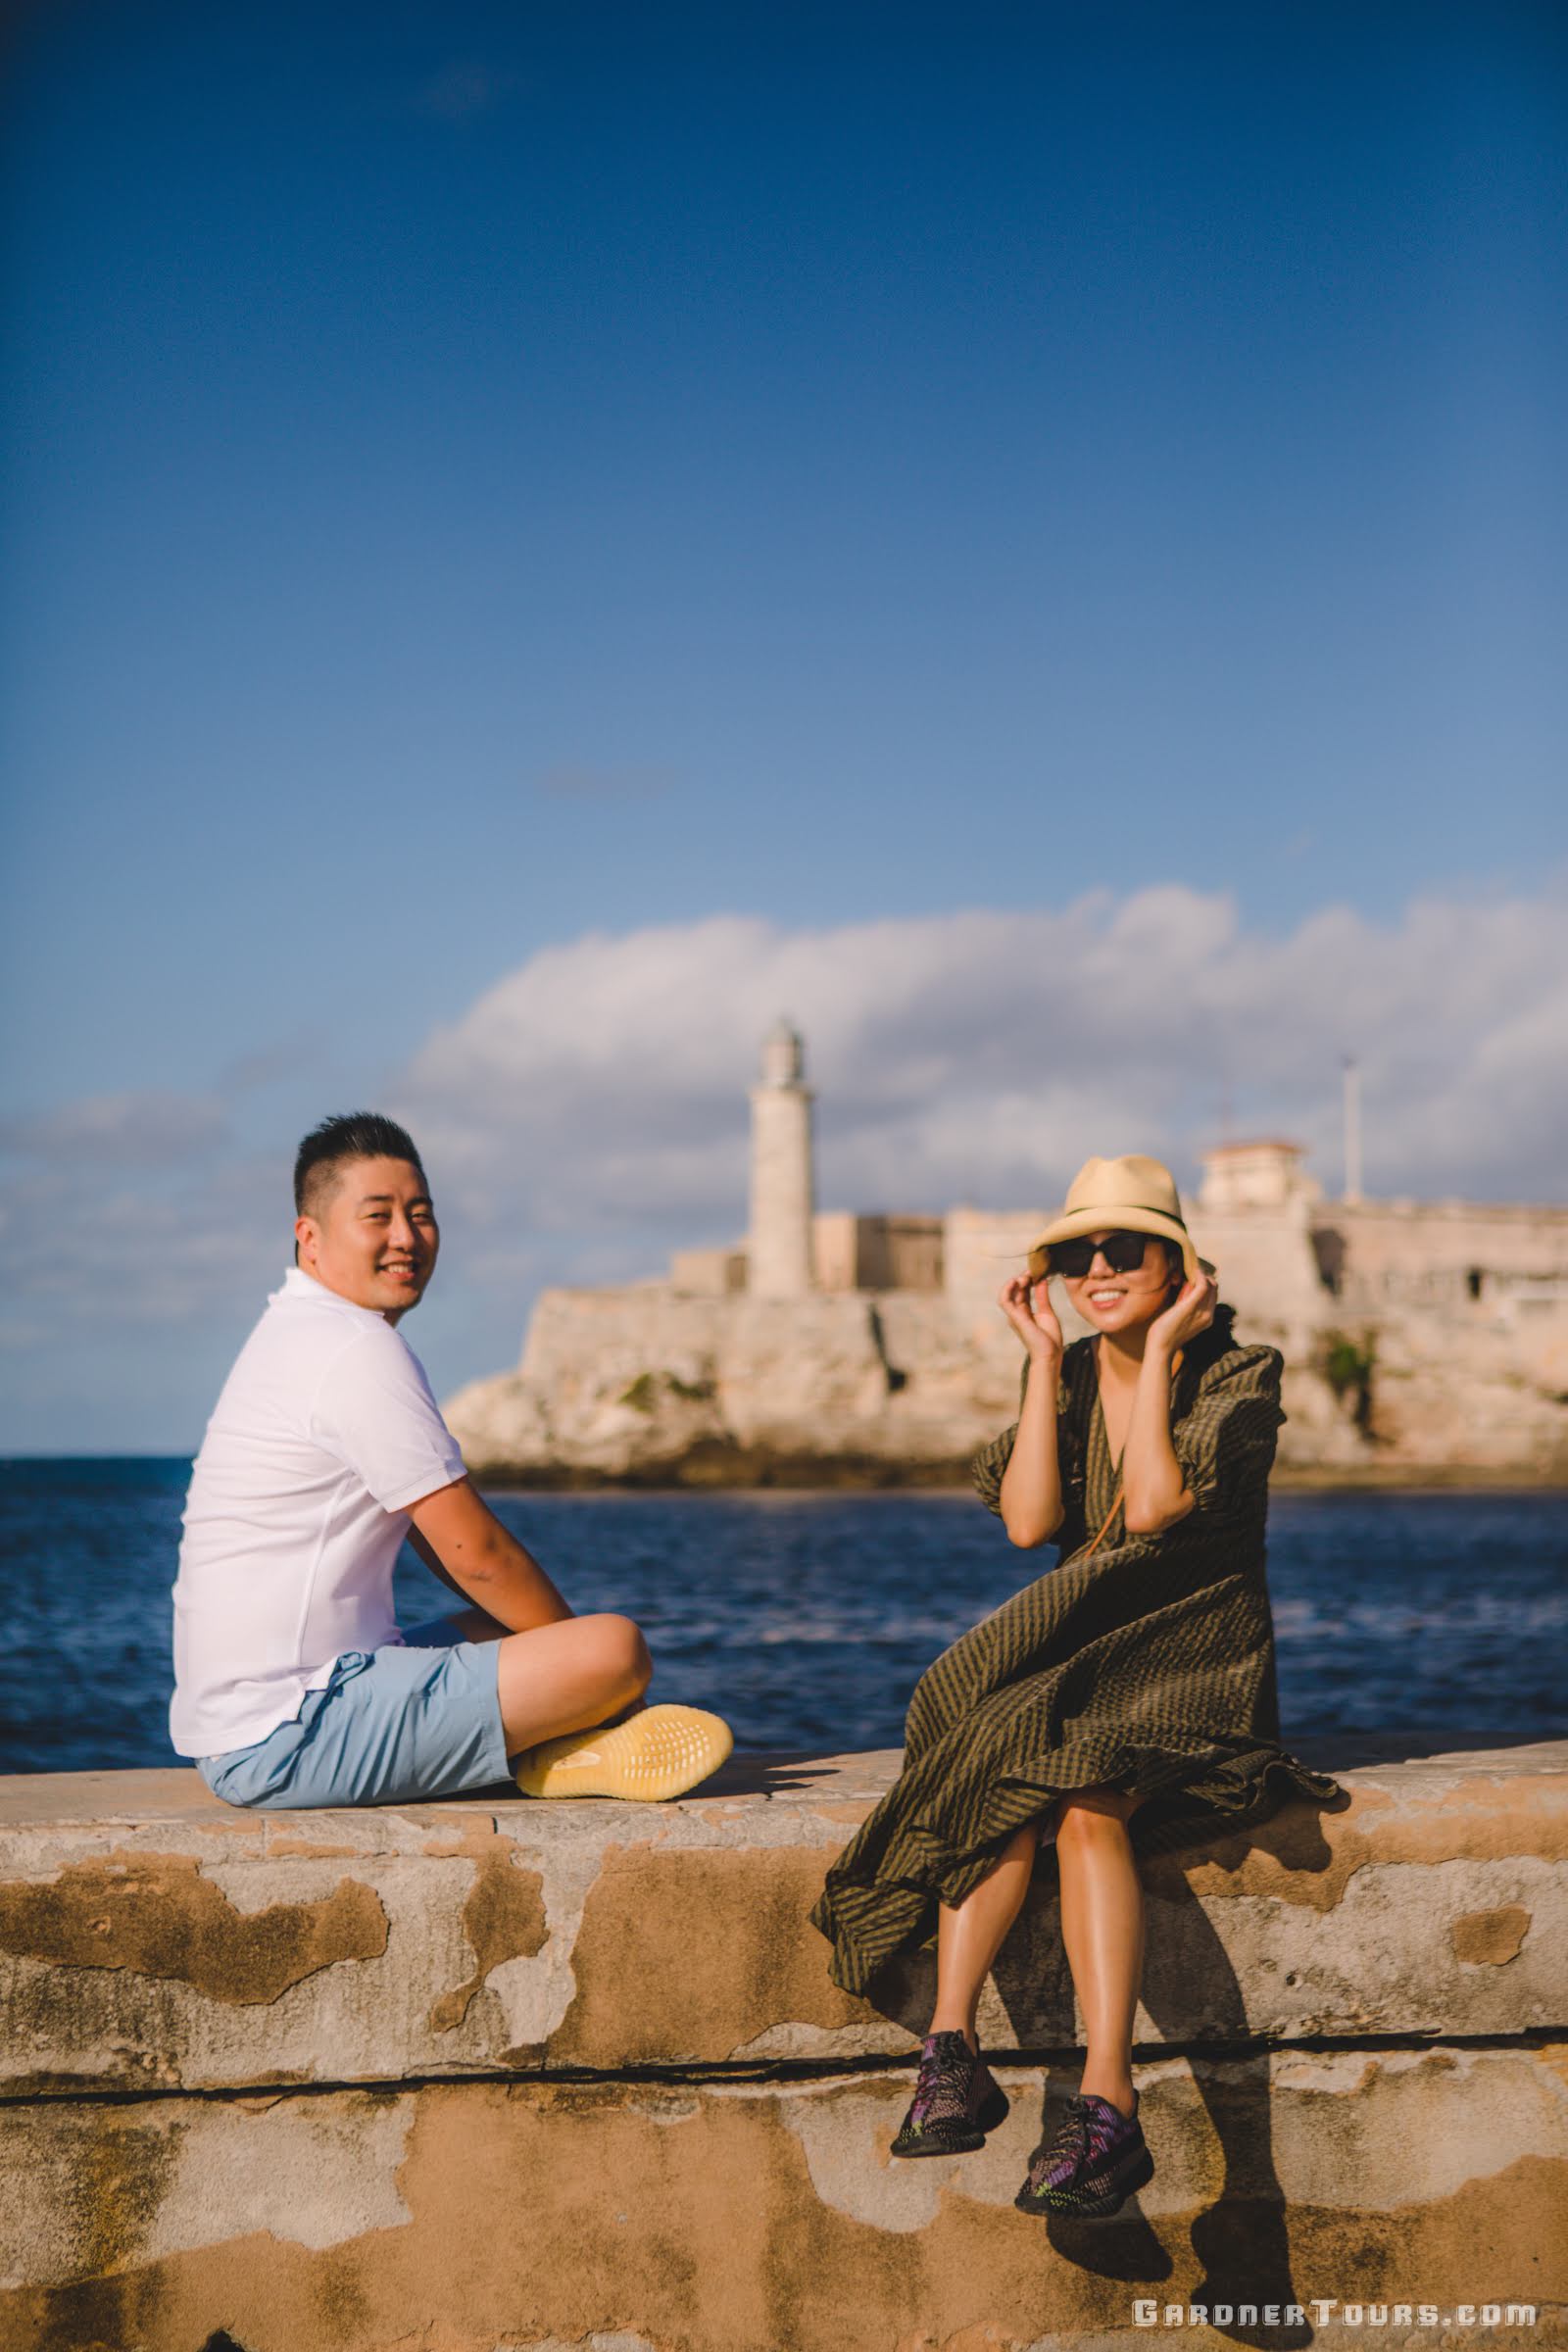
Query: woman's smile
1107, 1305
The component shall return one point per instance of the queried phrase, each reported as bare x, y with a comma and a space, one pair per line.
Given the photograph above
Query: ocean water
806, 1619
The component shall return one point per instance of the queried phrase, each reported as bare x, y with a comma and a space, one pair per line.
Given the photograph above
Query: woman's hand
1030, 1497
1028, 1309
1190, 1312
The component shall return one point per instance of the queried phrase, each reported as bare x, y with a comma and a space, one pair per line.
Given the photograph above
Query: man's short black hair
352, 1135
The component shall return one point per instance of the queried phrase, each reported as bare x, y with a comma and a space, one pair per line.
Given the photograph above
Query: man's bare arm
455, 1533
426, 1551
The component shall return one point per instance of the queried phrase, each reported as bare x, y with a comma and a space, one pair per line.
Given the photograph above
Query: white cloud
98, 1242
981, 1057
588, 1112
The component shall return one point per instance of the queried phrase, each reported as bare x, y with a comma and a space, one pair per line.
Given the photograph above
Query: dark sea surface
806, 1619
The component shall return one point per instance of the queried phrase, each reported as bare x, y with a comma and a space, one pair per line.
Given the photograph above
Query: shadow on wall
1193, 1995
1239, 2239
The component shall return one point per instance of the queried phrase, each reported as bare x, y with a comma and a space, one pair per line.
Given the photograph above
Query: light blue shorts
415, 1719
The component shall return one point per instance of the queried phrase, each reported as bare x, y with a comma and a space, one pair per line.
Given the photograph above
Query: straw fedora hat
1133, 1193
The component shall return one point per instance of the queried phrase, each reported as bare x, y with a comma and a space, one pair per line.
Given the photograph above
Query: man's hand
457, 1533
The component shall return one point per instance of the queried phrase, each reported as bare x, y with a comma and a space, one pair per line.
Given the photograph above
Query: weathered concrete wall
505, 2074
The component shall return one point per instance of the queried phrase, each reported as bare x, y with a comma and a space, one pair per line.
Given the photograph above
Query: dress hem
952, 1876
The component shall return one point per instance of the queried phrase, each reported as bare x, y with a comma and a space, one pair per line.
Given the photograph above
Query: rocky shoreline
738, 1473
655, 1388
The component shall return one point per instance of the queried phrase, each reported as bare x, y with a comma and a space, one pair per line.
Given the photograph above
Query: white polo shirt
325, 1432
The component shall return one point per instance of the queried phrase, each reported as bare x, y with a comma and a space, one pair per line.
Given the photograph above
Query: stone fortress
1425, 1342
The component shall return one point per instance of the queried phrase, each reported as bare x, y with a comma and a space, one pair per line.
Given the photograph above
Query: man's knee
621, 1654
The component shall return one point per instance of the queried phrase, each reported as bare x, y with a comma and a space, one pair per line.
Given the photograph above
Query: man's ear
305, 1235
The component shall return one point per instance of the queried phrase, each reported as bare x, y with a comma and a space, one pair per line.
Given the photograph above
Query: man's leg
573, 1716
569, 1677
573, 1676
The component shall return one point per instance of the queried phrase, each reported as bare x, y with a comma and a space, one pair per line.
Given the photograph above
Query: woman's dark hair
352, 1135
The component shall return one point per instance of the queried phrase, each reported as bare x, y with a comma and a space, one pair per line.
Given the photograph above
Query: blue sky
479, 478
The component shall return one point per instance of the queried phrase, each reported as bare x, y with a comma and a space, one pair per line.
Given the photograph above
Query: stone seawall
573, 2078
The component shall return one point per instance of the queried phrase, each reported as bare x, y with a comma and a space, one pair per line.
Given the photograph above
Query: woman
1124, 1701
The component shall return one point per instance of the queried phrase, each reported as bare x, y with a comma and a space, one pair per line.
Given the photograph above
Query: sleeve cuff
429, 1482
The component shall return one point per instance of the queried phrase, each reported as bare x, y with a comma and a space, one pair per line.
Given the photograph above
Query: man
293, 1683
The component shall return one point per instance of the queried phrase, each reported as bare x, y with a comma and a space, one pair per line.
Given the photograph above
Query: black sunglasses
1122, 1251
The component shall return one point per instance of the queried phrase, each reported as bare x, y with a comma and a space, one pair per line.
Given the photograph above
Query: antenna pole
1353, 1129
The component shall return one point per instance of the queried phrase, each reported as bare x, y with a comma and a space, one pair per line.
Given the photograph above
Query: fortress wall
836, 1247
1415, 1253
980, 1249
877, 1253
914, 1252
697, 1384
573, 2078
1284, 1266
707, 1273
1267, 1271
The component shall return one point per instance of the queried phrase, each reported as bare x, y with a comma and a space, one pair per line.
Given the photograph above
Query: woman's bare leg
970, 1934
1103, 1932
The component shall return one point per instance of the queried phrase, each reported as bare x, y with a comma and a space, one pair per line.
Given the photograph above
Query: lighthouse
779, 1263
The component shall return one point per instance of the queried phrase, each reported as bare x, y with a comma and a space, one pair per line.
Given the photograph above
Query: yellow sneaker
656, 1753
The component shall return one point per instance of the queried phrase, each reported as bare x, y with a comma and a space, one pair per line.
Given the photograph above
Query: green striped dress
1148, 1665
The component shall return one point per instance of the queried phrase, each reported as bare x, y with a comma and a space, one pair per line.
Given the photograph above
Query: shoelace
943, 2082
1072, 2141
1092, 2129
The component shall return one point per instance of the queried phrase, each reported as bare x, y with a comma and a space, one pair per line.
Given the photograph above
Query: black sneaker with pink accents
956, 2101
1092, 2164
